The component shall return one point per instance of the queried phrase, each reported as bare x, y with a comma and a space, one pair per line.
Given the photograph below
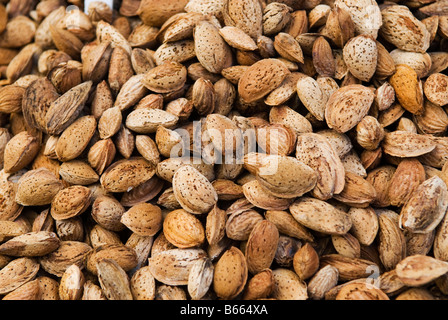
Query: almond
254, 84
230, 275
306, 211
193, 190
342, 118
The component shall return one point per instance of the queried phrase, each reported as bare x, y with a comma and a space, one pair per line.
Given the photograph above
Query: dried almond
311, 148
361, 56
423, 217
343, 118
172, 266
16, 273
261, 246
126, 174
75, 138
230, 274
408, 89
70, 202
254, 84
307, 211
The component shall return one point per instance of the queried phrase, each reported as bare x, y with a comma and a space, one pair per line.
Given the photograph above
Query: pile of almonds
339, 193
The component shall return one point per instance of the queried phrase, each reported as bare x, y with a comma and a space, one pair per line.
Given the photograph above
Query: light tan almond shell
113, 280
246, 15
172, 266
131, 92
286, 224
313, 97
401, 28
259, 286
237, 38
107, 212
125, 174
168, 167
392, 242
262, 198
361, 56
311, 148
124, 256
357, 192
421, 216
347, 106
349, 268
308, 212
364, 224
439, 242
418, 270
275, 174
67, 254
324, 280
261, 78
230, 274
71, 285
409, 174
31, 244
193, 190
360, 291
167, 77
436, 89
27, 291
240, 223
19, 151
78, 172
183, 229
200, 278
406, 144
16, 273
288, 285
143, 284
147, 120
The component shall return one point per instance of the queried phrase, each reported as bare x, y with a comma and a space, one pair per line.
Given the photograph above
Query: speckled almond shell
360, 56
193, 190
37, 187
313, 97
320, 216
125, 174
231, 274
183, 229
65, 109
261, 78
146, 120
172, 266
70, 202
167, 77
211, 49
74, 140
78, 172
16, 273
19, 151
262, 198
107, 212
261, 246
347, 106
312, 149
422, 216
286, 177
406, 144
244, 14
144, 219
